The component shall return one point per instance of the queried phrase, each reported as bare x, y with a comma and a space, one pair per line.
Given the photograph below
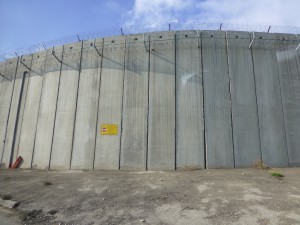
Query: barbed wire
127, 30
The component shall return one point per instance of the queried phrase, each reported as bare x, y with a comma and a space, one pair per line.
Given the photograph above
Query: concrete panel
46, 117
189, 102
107, 150
272, 129
31, 109
289, 68
66, 107
87, 107
135, 104
15, 117
217, 112
243, 96
161, 133
5, 99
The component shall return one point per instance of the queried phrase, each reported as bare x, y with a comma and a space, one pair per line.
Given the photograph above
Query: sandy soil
232, 196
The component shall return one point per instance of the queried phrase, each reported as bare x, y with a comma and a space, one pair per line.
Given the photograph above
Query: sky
25, 23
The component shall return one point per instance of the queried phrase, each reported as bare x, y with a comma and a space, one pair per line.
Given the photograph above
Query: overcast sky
24, 23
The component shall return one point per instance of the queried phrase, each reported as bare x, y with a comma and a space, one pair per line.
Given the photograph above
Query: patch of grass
261, 165
47, 183
6, 197
276, 174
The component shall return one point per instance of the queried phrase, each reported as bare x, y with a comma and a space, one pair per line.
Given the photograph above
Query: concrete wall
217, 101
135, 104
31, 109
245, 126
189, 102
289, 77
107, 150
87, 107
180, 100
161, 127
66, 107
7, 86
269, 101
47, 110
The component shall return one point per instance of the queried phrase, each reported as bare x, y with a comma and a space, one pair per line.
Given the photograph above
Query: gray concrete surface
19, 92
189, 102
245, 124
135, 104
212, 197
12, 120
289, 74
107, 152
31, 109
66, 108
46, 117
161, 127
217, 102
86, 127
209, 101
270, 112
5, 100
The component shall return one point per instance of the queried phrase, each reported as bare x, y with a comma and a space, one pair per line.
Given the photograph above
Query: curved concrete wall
180, 100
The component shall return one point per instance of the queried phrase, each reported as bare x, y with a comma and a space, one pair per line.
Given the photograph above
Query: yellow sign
109, 129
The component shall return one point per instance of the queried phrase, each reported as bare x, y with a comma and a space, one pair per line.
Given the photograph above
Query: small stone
142, 221
161, 180
103, 199
243, 173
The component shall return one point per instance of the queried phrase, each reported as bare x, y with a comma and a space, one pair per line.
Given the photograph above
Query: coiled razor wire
127, 30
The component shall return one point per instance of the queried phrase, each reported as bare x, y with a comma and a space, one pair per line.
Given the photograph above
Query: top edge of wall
145, 35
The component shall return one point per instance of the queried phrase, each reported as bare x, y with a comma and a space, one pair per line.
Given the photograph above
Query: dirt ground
231, 196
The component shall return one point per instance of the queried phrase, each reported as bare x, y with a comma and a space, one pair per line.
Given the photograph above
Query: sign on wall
109, 129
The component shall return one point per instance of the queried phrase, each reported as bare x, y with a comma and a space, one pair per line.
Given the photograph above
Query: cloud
256, 12
154, 12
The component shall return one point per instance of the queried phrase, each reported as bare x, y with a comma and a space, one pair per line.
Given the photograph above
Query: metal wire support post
53, 53
2, 75
145, 43
97, 49
253, 37
269, 29
25, 65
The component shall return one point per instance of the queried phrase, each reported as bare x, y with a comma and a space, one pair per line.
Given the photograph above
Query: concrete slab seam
283, 117
60, 70
18, 114
76, 104
230, 99
17, 64
37, 120
148, 82
122, 107
96, 133
255, 91
203, 99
